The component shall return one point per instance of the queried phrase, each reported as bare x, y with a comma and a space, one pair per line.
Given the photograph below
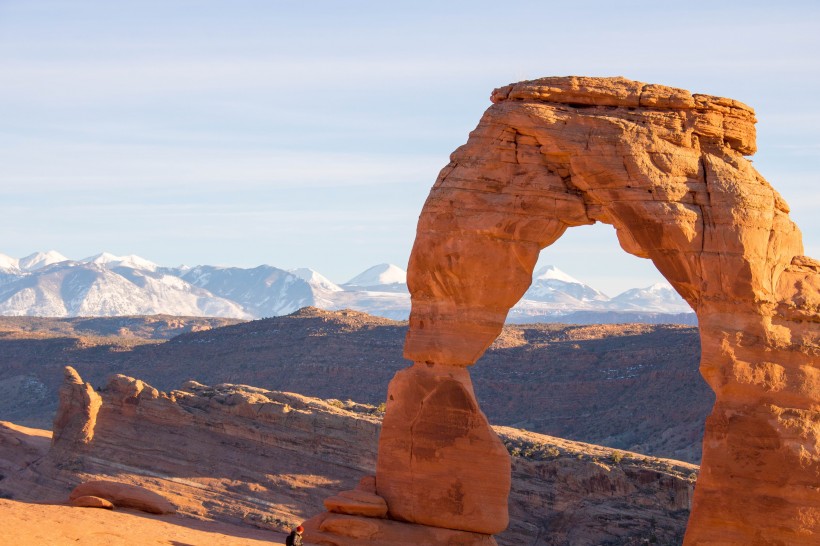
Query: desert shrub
616, 456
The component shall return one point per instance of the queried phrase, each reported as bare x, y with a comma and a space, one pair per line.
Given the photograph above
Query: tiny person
295, 537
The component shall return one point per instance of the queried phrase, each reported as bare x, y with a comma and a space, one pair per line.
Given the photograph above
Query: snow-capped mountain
551, 285
132, 261
9, 264
68, 289
379, 278
38, 260
325, 291
316, 279
49, 284
263, 291
659, 297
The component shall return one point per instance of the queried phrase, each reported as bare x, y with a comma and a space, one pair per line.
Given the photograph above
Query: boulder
123, 495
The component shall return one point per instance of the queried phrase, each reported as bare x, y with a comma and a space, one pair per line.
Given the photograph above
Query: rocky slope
633, 387
250, 456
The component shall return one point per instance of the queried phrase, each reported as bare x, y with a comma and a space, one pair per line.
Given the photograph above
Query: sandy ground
23, 524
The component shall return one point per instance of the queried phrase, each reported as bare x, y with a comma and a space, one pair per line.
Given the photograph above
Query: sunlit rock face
666, 169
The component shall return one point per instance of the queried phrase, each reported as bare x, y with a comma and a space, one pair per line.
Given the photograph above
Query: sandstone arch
666, 169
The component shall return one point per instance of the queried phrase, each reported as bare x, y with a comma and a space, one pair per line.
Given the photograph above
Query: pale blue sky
308, 133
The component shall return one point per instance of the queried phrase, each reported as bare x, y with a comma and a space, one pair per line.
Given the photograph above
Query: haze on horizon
308, 135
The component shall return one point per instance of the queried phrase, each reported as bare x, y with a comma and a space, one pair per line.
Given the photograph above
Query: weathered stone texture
666, 169
77, 413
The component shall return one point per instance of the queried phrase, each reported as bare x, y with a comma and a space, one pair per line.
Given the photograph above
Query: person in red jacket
295, 537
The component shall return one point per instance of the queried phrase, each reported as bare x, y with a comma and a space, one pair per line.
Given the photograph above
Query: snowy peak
48, 284
550, 272
657, 297
9, 264
551, 285
315, 279
379, 275
106, 259
39, 260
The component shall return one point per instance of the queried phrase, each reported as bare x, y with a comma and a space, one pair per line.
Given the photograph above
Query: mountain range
49, 284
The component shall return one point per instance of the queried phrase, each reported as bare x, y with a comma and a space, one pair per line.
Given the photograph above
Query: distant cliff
633, 387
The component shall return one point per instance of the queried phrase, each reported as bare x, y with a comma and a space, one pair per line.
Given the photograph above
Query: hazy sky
308, 133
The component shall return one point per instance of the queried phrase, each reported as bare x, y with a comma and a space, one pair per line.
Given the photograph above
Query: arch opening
587, 376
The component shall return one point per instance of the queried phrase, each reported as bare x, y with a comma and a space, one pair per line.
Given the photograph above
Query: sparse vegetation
616, 456
531, 450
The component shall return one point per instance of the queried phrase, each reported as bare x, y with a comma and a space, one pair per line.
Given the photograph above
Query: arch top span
663, 166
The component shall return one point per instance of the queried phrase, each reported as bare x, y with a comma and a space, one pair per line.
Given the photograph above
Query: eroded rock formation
666, 169
240, 454
77, 413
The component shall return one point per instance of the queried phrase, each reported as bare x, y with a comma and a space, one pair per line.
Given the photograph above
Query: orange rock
77, 413
90, 501
367, 484
342, 530
440, 463
357, 503
124, 495
666, 169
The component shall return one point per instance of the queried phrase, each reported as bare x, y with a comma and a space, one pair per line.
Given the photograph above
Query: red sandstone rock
367, 484
90, 501
124, 495
440, 463
77, 413
342, 530
666, 169
357, 503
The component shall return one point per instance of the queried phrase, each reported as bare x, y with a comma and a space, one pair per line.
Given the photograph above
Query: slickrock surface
666, 169
23, 524
268, 459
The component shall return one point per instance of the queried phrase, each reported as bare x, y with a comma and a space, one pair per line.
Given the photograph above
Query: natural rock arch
666, 169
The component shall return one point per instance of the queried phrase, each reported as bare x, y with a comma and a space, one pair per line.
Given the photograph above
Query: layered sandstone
666, 169
250, 456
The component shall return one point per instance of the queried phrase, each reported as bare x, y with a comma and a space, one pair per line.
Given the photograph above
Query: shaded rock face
666, 169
